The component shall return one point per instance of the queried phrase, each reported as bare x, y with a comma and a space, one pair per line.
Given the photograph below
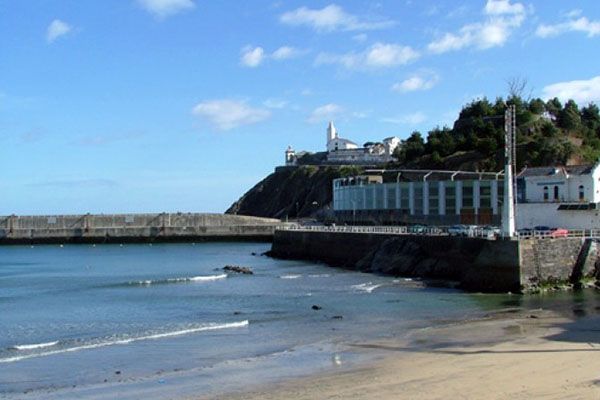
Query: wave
319, 276
208, 327
177, 280
34, 346
290, 276
366, 287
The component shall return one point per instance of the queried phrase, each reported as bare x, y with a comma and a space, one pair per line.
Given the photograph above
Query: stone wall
91, 228
478, 264
550, 261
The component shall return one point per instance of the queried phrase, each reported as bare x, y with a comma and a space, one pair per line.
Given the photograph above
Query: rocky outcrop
292, 192
238, 270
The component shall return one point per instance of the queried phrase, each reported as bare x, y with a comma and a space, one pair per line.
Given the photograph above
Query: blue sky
182, 105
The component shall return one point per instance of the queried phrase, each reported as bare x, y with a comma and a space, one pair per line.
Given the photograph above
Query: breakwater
131, 228
476, 263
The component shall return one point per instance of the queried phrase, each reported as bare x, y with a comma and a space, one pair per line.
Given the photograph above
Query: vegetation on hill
547, 133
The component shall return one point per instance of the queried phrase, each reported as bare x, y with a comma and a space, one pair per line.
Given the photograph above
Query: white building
335, 142
562, 197
344, 151
557, 197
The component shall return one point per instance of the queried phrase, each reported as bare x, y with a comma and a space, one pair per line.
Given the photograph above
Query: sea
166, 321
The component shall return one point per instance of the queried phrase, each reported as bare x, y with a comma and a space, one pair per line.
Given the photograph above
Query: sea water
165, 319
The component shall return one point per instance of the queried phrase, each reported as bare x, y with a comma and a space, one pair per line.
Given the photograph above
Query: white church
344, 151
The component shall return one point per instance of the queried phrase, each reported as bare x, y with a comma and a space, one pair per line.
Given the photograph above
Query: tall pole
508, 211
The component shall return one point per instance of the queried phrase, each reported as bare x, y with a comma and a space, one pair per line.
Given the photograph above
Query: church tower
331, 132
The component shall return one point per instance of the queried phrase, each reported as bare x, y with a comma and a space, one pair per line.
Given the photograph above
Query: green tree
569, 117
414, 146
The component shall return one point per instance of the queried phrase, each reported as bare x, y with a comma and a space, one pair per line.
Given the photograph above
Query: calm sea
137, 321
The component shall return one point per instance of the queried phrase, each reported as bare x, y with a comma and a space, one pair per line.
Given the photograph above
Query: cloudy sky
182, 105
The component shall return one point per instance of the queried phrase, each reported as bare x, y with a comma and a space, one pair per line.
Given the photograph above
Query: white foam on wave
35, 346
366, 287
209, 327
290, 276
188, 279
319, 276
202, 278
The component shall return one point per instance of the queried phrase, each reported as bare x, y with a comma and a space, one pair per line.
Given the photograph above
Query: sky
134, 106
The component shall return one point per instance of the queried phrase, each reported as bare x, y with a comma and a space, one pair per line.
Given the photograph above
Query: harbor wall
127, 228
476, 263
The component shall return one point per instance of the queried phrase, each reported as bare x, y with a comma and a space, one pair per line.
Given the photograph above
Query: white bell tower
331, 133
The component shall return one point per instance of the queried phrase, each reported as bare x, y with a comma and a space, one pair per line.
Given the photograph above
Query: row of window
556, 193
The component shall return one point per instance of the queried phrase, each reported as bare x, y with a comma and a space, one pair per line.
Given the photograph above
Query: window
545, 193
555, 193
581, 193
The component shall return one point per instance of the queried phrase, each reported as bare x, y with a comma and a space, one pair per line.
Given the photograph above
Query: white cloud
331, 18
582, 91
573, 24
502, 19
420, 81
361, 37
325, 113
225, 114
165, 8
500, 7
285, 52
275, 103
56, 29
252, 57
407, 119
379, 55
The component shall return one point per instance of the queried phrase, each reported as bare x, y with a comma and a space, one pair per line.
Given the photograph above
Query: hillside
549, 133
291, 192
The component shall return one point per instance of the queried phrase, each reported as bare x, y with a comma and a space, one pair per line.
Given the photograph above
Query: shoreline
511, 354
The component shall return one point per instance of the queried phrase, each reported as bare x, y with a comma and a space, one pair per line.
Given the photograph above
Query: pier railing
485, 233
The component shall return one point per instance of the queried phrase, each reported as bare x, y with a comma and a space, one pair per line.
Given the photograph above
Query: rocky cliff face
293, 192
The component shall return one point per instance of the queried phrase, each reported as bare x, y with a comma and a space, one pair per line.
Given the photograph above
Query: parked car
490, 231
525, 233
416, 229
458, 230
559, 232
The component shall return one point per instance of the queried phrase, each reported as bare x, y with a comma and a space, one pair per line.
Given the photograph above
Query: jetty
490, 263
134, 228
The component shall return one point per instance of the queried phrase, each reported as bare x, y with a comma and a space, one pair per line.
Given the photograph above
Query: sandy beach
513, 354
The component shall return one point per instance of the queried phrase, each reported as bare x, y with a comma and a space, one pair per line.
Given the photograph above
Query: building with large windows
567, 197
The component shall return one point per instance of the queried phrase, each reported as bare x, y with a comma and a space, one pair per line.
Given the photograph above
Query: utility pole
508, 211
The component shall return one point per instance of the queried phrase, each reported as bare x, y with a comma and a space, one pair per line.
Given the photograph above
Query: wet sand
512, 354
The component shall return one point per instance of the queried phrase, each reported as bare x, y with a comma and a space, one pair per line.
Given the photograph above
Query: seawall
478, 264
131, 228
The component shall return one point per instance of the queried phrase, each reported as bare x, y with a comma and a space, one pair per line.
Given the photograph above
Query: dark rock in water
317, 307
238, 269
237, 313
253, 253
267, 253
118, 372
337, 317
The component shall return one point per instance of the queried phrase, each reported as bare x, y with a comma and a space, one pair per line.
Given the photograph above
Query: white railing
444, 231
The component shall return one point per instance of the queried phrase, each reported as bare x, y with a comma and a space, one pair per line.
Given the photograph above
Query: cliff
292, 192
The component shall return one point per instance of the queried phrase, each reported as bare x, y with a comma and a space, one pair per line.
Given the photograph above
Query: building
342, 151
421, 196
566, 197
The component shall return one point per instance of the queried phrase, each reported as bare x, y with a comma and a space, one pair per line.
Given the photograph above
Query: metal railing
474, 232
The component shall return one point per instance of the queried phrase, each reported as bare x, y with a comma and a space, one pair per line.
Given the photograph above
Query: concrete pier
476, 263
129, 228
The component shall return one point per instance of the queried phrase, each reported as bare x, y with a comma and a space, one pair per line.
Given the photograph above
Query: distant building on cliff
342, 151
